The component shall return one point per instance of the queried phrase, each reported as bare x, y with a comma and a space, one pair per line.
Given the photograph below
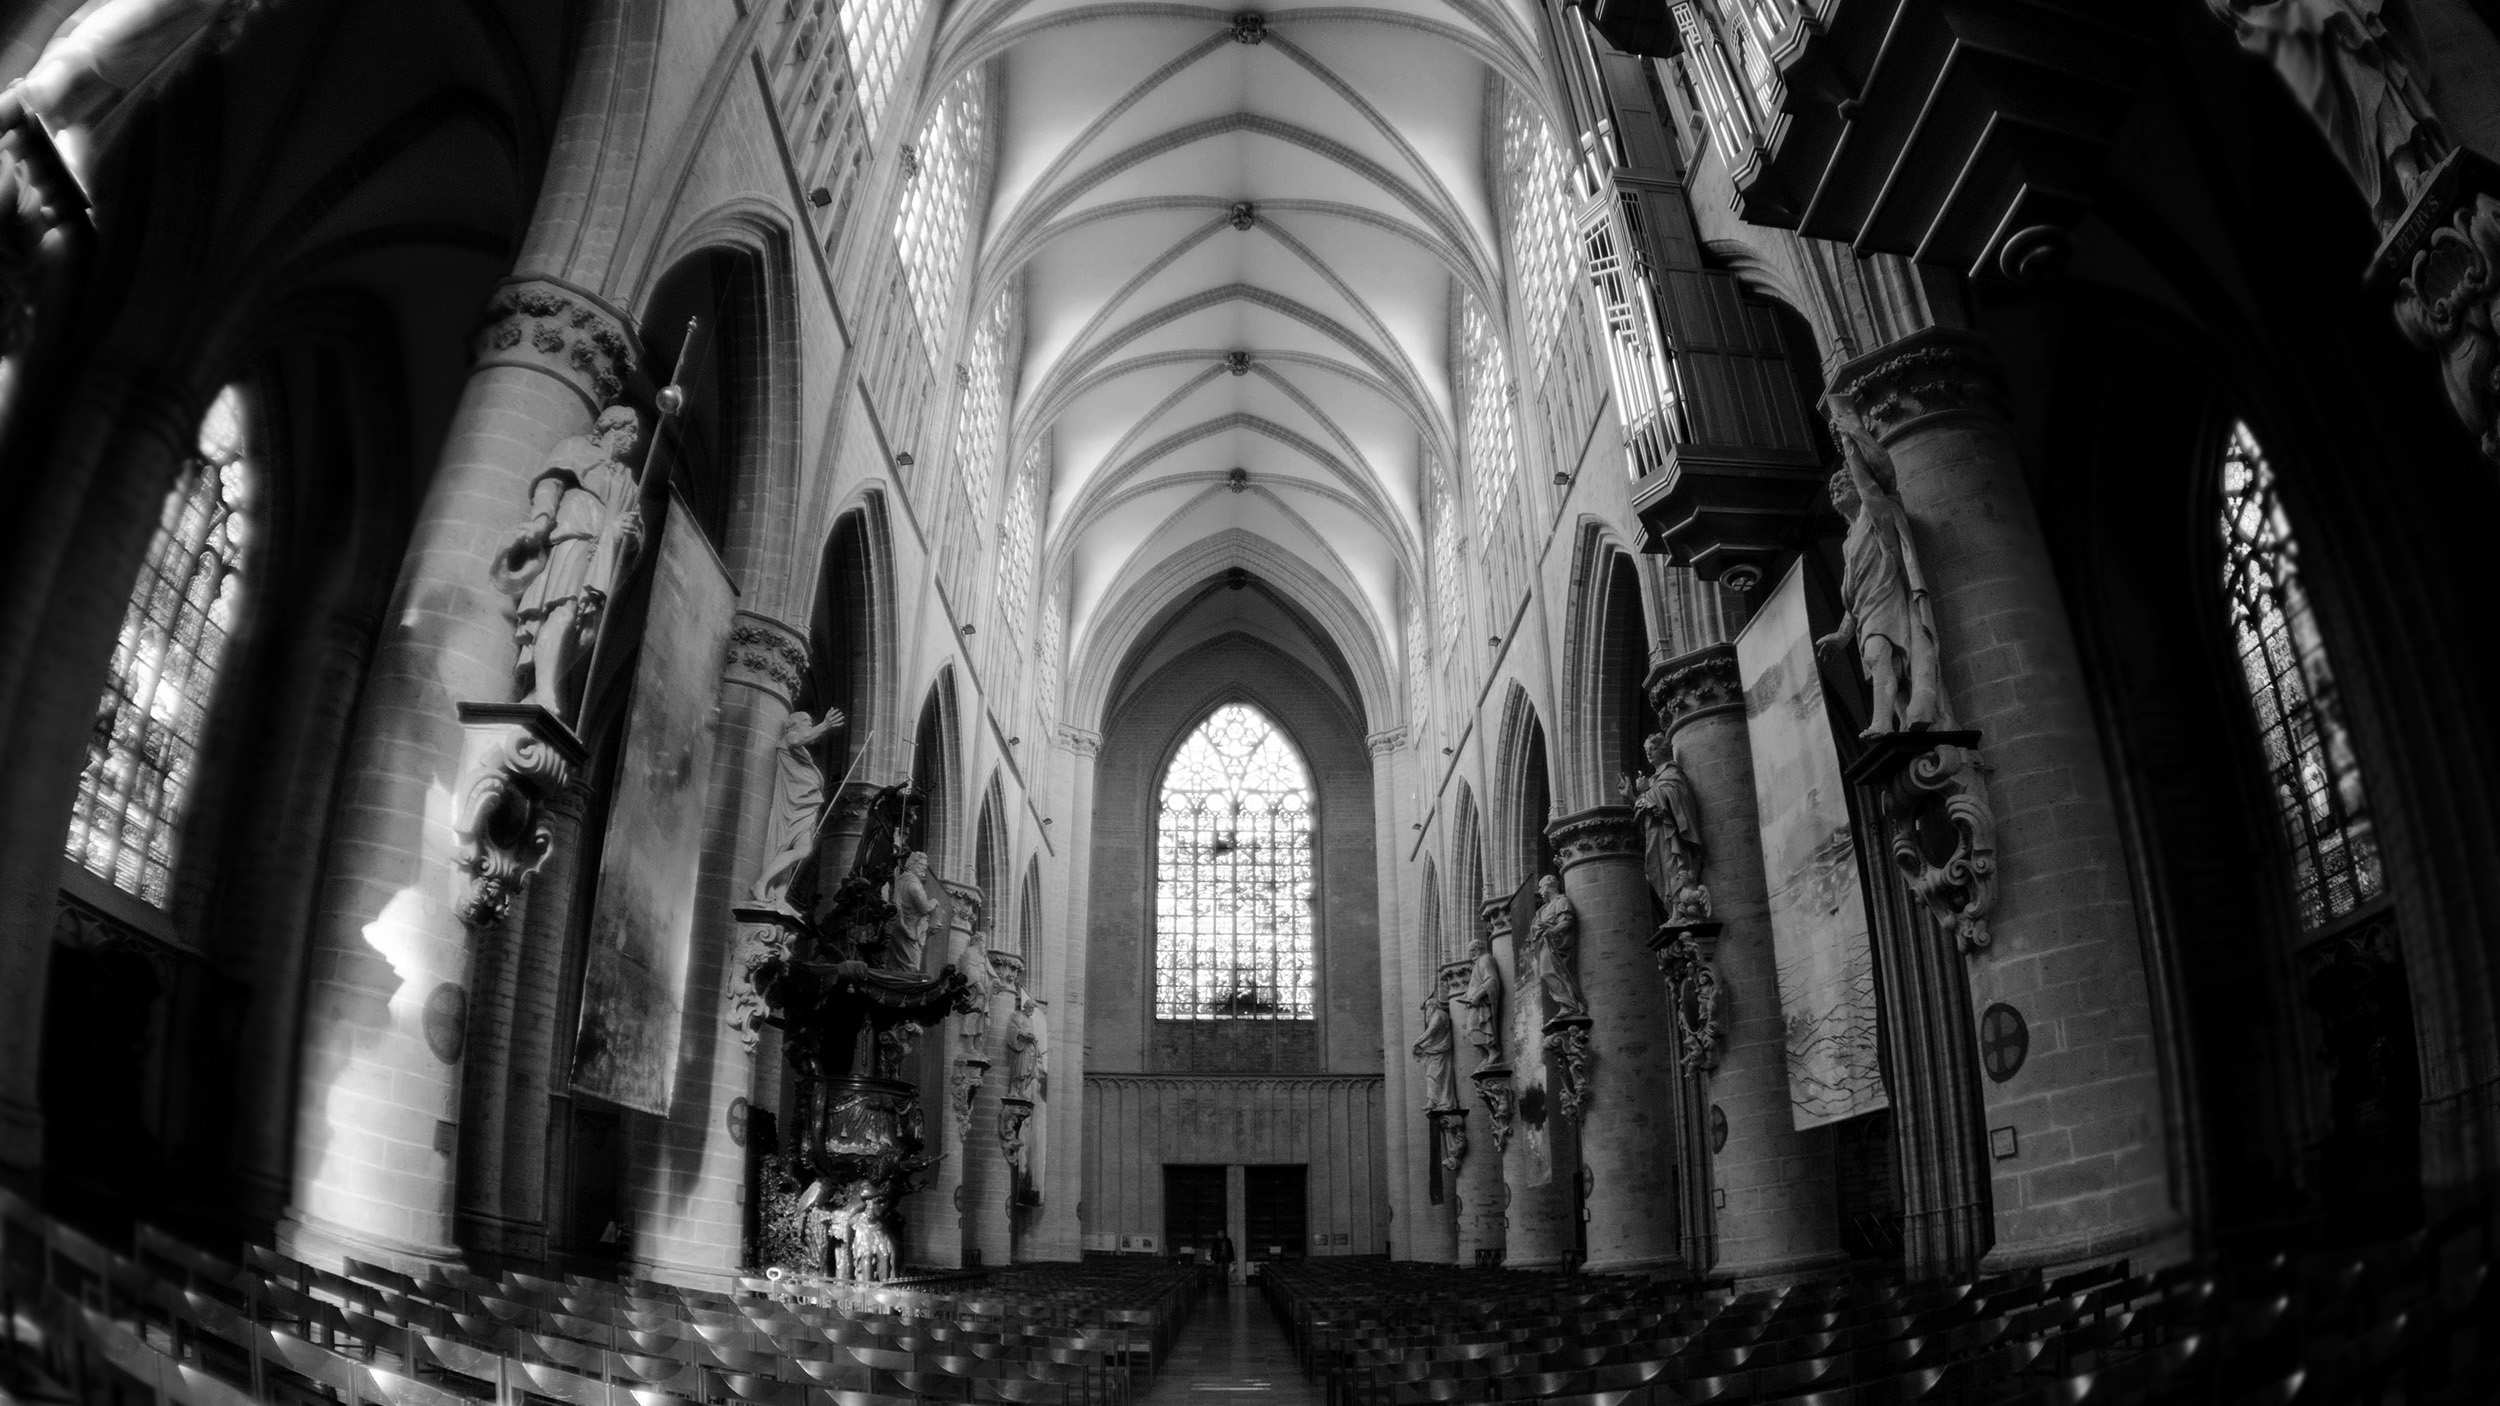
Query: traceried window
1234, 884
1016, 532
1449, 594
1046, 655
142, 757
1418, 664
977, 412
932, 222
2310, 766
876, 32
1538, 213
1492, 446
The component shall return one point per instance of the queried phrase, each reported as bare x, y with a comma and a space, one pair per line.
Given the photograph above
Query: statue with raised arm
1435, 1052
1670, 817
798, 802
582, 538
2360, 68
108, 49
916, 898
1478, 1007
1555, 934
1887, 616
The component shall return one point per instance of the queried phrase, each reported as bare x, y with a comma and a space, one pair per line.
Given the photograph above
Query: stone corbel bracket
962, 1089
514, 759
2443, 260
1567, 1045
1013, 1114
1934, 791
1500, 1096
1453, 1125
1688, 957
766, 935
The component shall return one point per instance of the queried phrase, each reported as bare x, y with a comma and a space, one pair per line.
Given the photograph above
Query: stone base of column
325, 1245
1643, 1265
1772, 1274
692, 1276
2164, 1242
503, 1238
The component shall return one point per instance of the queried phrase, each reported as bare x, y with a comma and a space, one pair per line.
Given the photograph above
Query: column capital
964, 904
1695, 685
1600, 832
1384, 743
545, 324
1929, 374
768, 655
1495, 913
1083, 741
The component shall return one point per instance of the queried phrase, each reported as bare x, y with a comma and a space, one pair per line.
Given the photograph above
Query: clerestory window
143, 755
1235, 888
2310, 766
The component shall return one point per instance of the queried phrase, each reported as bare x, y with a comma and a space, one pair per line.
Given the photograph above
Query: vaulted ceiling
1239, 239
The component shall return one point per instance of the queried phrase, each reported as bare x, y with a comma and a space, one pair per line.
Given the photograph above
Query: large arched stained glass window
1234, 888
2310, 766
142, 754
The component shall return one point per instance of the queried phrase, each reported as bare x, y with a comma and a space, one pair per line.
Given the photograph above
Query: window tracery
932, 222
875, 33
142, 756
2311, 768
1538, 214
1235, 889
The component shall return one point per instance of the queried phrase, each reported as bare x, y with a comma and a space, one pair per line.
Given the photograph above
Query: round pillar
387, 992
1538, 1202
1627, 1119
1775, 1196
2089, 1168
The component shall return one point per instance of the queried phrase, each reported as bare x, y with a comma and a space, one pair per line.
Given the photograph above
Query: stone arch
1467, 856
989, 855
937, 775
1606, 647
1523, 796
851, 634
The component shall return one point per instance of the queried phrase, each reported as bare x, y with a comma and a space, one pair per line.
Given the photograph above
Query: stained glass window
142, 755
1538, 213
876, 32
2310, 766
932, 222
1234, 886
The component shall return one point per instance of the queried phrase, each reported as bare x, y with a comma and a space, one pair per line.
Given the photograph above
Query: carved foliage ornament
1500, 1096
1944, 840
1452, 1123
1249, 27
559, 328
1935, 372
1702, 682
767, 655
517, 760
1693, 984
2448, 304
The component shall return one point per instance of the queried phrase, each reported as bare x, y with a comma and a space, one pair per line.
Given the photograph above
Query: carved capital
1383, 744
548, 326
1083, 741
514, 762
1695, 685
1932, 373
767, 654
1496, 915
964, 905
1600, 832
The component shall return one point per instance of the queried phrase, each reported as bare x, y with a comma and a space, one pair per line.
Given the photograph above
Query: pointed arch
937, 772
989, 855
1236, 871
1606, 639
851, 631
1523, 796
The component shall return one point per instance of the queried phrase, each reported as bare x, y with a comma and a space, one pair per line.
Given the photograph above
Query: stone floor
1232, 1350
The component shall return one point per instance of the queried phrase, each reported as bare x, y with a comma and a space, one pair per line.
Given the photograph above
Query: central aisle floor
1232, 1350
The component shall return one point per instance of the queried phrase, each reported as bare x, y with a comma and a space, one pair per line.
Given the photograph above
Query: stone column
989, 1220
503, 1145
1627, 1117
1536, 1203
1775, 1204
1479, 1191
2083, 1166
1418, 1229
1060, 1229
386, 1000
933, 1217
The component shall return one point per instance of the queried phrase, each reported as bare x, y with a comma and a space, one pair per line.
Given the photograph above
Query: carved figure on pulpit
798, 802
582, 538
915, 896
1888, 618
2359, 67
1670, 817
1478, 1005
1028, 1050
1436, 1053
1555, 935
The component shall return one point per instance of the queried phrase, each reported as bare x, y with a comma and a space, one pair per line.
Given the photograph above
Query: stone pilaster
1773, 1206
386, 994
1058, 1232
1479, 1191
989, 1183
2083, 1165
1627, 1121
934, 1219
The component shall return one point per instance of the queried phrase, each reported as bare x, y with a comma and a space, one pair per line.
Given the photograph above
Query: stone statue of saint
1479, 1006
1555, 934
972, 1029
1028, 1047
1888, 617
2359, 67
583, 535
1670, 819
107, 49
915, 897
1435, 1053
798, 802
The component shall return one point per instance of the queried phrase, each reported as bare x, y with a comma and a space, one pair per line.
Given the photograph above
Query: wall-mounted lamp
1418, 825
969, 630
820, 197
1449, 751
904, 460
1012, 741
1495, 641
1562, 478
1045, 820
